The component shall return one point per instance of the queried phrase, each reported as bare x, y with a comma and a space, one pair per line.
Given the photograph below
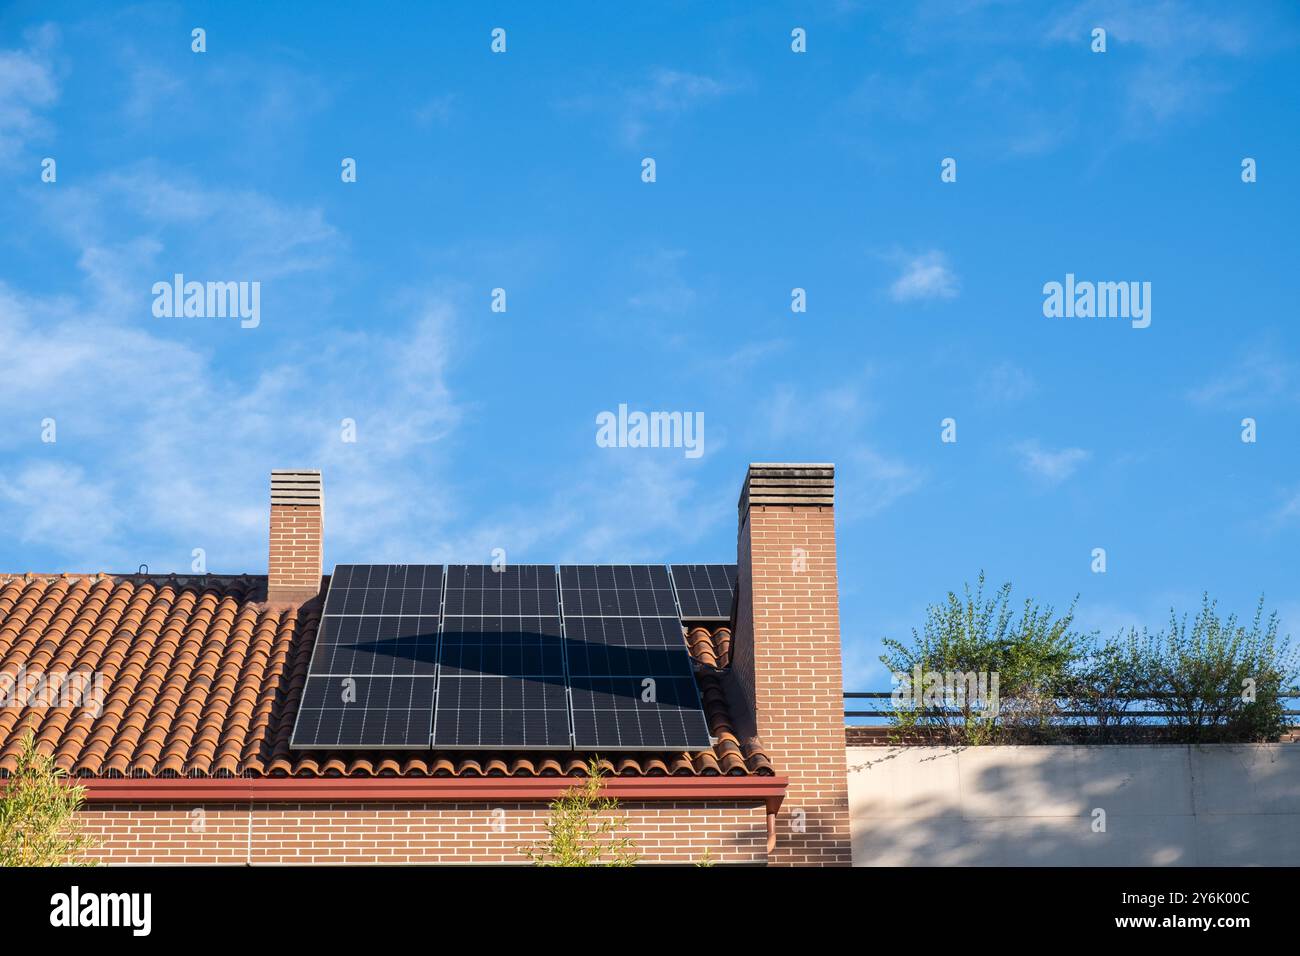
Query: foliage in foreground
584, 828
1030, 654
1224, 680
38, 824
1033, 678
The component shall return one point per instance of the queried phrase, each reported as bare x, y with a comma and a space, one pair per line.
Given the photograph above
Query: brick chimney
297, 526
786, 658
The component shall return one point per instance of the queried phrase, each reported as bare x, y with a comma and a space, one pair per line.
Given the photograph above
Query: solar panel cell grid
638, 662
339, 711
385, 589
502, 679
705, 592
617, 590
502, 712
631, 679
511, 647
412, 656
630, 647
637, 713
478, 590
394, 645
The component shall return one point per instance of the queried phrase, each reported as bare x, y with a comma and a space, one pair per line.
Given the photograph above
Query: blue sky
775, 170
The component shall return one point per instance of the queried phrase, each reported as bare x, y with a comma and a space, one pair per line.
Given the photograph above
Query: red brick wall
788, 657
270, 833
294, 567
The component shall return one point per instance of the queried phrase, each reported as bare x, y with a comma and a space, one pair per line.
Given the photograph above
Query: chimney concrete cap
296, 487
807, 484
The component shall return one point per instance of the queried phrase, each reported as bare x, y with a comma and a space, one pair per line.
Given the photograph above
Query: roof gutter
771, 790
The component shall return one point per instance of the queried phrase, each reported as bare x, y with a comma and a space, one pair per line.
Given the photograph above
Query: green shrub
1027, 660
38, 824
1224, 678
584, 828
1221, 680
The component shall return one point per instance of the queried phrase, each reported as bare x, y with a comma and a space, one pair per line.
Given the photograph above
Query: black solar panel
705, 592
638, 713
377, 646
354, 711
480, 590
631, 680
511, 647
502, 684
495, 713
616, 590
373, 672
627, 647
502, 680
410, 656
385, 589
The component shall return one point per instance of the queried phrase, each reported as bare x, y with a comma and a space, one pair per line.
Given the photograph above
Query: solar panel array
706, 592
418, 656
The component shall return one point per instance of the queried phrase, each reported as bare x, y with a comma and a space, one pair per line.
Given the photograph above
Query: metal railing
882, 713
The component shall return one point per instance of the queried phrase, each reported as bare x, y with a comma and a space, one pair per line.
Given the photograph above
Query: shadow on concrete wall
1127, 805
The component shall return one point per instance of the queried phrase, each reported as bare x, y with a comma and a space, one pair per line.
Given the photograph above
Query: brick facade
404, 833
787, 654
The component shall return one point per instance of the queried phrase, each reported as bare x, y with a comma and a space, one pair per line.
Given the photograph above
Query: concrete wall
1216, 805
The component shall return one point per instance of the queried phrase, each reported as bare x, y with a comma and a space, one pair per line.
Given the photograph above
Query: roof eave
769, 789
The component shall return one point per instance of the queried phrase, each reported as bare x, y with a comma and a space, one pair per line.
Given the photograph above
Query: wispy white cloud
661, 96
1173, 48
1257, 377
870, 479
675, 91
268, 98
1167, 61
140, 225
436, 109
1051, 467
181, 450
1290, 510
164, 445
167, 446
666, 94
152, 89
789, 410
28, 85
743, 359
673, 509
51, 501
1169, 26
870, 482
1005, 383
926, 276
665, 287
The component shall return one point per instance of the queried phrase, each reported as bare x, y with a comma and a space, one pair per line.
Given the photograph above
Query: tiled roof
201, 679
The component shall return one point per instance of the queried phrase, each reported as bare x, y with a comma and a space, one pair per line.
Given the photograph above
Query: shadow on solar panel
482, 658
376, 645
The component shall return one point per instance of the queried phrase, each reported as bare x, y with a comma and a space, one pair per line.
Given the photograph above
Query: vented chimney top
290, 487
769, 483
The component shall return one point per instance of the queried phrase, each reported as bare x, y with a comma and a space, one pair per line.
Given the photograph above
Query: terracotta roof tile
201, 679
